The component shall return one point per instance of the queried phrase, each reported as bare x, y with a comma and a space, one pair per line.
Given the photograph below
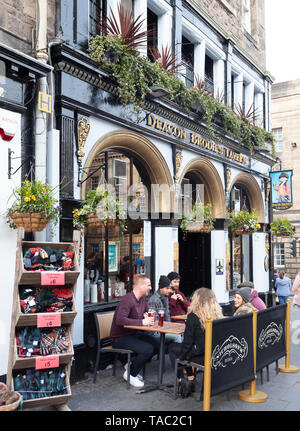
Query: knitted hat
246, 284
172, 275
163, 282
245, 293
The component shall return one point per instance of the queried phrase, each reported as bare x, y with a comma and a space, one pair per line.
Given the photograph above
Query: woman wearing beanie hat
242, 301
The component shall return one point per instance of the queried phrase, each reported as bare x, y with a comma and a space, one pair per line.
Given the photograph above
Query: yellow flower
33, 198
27, 199
258, 226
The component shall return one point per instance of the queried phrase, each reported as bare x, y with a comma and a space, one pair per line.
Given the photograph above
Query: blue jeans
282, 299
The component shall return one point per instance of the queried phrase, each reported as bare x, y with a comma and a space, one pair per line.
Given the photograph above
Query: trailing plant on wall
135, 75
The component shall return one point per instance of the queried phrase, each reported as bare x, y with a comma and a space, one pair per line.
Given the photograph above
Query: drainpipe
41, 117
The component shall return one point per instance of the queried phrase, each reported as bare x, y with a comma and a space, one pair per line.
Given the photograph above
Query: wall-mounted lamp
158, 92
294, 144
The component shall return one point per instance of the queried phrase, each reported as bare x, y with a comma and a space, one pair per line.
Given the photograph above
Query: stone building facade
285, 125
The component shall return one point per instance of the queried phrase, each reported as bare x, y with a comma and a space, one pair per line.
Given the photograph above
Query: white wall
260, 276
219, 238
8, 236
165, 237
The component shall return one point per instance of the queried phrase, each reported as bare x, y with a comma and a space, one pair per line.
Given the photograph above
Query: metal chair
178, 362
103, 325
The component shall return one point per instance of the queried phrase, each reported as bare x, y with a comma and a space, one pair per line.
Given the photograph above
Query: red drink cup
161, 315
151, 313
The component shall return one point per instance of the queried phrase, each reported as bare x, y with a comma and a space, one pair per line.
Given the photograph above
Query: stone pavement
110, 393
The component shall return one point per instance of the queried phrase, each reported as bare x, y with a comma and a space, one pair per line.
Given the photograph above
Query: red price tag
43, 362
49, 278
48, 320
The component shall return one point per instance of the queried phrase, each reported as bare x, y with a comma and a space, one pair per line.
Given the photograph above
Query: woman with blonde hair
203, 305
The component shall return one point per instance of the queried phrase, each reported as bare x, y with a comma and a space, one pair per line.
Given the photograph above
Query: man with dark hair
132, 310
178, 304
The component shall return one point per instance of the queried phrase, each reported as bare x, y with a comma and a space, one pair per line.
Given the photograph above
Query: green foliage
281, 226
135, 74
199, 213
244, 220
104, 204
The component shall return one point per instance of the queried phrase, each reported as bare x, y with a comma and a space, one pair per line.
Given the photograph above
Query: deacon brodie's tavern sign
177, 132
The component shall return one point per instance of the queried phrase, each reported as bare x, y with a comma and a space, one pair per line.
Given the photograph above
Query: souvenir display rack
17, 364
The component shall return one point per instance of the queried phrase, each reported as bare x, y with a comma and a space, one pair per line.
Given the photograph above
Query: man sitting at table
160, 301
132, 310
178, 304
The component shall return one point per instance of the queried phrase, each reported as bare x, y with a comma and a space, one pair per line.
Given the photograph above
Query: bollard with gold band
287, 368
207, 365
252, 395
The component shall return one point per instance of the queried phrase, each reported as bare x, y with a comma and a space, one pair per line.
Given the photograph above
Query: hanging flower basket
31, 222
244, 222
281, 226
244, 232
198, 227
34, 207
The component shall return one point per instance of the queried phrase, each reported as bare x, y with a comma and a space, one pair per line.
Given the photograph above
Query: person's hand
174, 296
179, 297
145, 315
148, 321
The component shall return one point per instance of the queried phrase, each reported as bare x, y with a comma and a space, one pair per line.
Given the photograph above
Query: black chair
179, 363
103, 325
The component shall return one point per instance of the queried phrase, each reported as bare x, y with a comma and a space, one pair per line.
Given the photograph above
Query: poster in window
281, 189
113, 256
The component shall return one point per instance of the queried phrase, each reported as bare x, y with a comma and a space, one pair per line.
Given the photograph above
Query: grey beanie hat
246, 284
245, 293
163, 282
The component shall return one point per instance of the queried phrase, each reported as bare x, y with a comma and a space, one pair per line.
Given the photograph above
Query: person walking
242, 301
296, 291
203, 305
255, 299
283, 287
132, 310
275, 277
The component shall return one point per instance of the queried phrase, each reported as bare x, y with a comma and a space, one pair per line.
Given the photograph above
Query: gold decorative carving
268, 191
83, 131
179, 158
228, 178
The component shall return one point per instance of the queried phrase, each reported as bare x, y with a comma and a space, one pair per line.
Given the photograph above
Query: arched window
240, 245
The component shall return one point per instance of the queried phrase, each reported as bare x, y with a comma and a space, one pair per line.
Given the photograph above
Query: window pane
278, 139
279, 258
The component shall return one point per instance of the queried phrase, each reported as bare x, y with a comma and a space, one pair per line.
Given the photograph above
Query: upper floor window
247, 15
187, 57
209, 74
152, 24
279, 258
278, 139
97, 11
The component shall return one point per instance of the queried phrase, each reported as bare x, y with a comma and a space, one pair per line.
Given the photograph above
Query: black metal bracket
10, 158
80, 169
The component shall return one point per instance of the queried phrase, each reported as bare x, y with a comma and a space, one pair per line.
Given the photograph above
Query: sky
283, 39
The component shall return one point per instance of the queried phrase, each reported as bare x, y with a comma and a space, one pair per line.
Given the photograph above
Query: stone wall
18, 24
228, 15
286, 115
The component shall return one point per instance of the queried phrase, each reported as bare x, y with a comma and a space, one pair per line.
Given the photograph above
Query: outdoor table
180, 317
167, 328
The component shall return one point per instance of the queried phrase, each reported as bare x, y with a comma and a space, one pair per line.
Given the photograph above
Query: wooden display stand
23, 277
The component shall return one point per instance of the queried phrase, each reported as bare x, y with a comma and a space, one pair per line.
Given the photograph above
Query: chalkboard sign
270, 335
232, 361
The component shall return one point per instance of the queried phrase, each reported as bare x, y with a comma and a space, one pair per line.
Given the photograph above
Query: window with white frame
247, 15
279, 259
278, 139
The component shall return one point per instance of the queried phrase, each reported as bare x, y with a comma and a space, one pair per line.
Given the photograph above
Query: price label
48, 320
49, 278
43, 362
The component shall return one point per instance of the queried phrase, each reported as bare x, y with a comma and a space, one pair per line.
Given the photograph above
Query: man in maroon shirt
132, 310
178, 304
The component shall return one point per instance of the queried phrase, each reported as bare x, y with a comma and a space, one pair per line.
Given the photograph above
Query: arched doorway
195, 248
129, 163
245, 194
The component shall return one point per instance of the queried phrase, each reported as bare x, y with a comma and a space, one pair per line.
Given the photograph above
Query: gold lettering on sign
165, 127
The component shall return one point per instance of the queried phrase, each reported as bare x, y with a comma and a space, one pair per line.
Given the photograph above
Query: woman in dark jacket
203, 305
